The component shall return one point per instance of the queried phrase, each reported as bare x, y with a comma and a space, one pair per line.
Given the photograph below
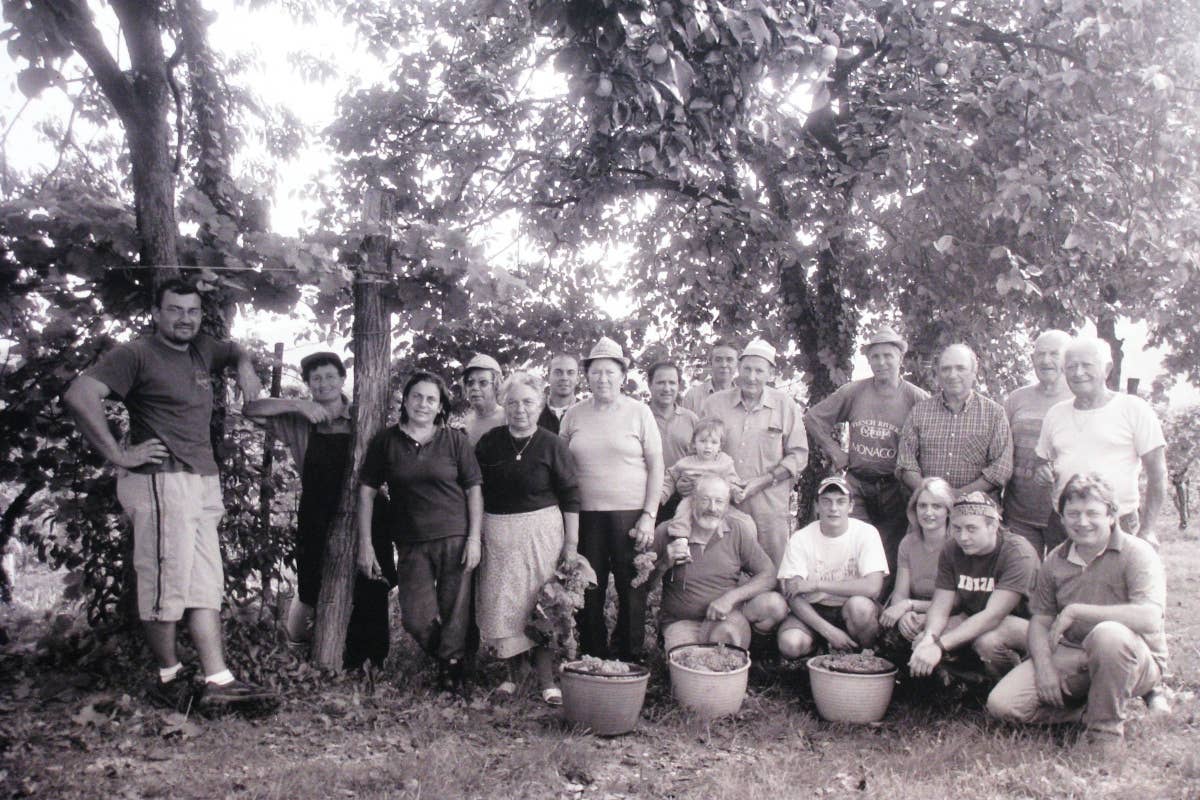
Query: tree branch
987, 34
77, 23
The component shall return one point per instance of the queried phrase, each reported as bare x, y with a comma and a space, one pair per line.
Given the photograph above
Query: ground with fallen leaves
72, 725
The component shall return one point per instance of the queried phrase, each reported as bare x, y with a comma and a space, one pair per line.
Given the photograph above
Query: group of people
952, 530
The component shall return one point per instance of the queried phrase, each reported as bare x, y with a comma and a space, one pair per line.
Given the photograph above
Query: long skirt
520, 552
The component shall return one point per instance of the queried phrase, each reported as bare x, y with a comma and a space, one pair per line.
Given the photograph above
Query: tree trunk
141, 98
372, 351
1106, 329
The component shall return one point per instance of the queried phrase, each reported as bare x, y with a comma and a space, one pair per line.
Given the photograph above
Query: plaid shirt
960, 446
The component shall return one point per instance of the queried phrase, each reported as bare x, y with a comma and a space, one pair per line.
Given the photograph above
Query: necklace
524, 447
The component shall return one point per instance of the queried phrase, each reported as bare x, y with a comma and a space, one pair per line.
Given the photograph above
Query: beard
182, 335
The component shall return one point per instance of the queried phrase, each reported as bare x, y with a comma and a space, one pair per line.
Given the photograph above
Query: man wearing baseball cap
480, 380
985, 576
766, 438
831, 578
875, 409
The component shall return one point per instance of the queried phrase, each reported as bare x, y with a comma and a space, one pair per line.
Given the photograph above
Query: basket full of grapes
709, 679
604, 695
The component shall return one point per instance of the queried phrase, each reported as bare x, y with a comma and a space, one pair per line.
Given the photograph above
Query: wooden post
372, 344
265, 489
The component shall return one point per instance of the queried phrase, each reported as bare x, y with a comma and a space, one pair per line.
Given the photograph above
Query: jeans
1113, 666
435, 596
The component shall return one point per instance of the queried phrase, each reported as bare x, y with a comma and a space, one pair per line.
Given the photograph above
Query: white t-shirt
811, 555
1110, 440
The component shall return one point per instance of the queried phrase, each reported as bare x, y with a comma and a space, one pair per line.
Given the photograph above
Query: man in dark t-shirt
875, 409
985, 576
167, 483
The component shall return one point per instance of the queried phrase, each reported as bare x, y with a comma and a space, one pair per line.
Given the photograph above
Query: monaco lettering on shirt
970, 583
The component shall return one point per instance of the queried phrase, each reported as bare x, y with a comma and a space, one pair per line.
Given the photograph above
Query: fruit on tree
829, 53
647, 153
604, 86
941, 68
657, 53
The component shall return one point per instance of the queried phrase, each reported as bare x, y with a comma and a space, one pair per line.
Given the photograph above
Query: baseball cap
833, 482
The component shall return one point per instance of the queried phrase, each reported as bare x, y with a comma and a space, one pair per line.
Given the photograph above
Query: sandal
552, 695
506, 690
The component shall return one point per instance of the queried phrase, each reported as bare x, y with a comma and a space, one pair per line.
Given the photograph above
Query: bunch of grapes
643, 562
553, 618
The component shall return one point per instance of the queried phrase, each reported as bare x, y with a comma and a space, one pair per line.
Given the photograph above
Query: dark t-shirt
1013, 565
875, 422
716, 569
426, 483
169, 396
544, 477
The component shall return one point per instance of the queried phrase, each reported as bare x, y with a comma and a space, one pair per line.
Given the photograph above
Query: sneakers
177, 694
1157, 702
236, 692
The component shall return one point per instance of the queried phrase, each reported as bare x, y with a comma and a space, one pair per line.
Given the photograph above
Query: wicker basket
846, 697
608, 704
709, 694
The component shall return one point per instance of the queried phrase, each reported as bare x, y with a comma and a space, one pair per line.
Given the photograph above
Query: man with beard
168, 485
714, 575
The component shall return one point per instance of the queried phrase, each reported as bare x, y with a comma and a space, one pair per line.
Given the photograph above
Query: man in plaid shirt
957, 434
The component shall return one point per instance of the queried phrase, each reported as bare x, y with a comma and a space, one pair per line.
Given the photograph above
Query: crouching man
984, 576
831, 576
1096, 638
720, 579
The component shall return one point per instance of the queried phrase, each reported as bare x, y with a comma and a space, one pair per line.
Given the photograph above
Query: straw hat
761, 349
606, 348
885, 334
482, 361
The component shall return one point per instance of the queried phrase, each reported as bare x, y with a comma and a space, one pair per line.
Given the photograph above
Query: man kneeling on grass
984, 576
707, 596
831, 576
1096, 639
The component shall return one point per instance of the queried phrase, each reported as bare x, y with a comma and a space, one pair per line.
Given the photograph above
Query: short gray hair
520, 378
1095, 344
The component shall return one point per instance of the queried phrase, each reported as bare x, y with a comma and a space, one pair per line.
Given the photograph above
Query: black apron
326, 460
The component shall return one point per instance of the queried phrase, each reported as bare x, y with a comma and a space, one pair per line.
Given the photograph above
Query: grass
334, 738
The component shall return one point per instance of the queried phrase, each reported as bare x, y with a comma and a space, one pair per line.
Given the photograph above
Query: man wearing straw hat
984, 578
875, 409
765, 435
